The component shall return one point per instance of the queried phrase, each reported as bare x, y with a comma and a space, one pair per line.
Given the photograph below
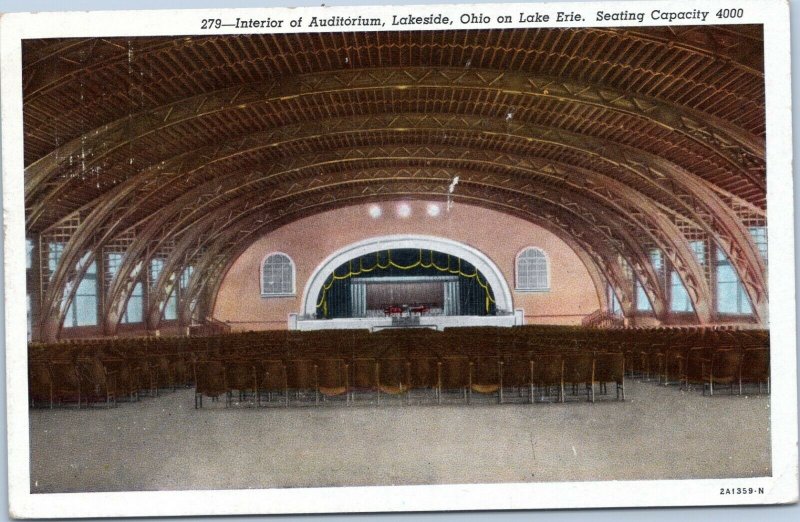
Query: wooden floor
163, 443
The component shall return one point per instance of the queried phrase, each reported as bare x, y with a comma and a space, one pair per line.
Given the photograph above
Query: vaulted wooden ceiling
189, 148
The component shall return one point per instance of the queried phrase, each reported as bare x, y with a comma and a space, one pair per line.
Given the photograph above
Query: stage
437, 322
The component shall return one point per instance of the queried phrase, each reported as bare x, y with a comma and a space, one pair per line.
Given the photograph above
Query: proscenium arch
482, 262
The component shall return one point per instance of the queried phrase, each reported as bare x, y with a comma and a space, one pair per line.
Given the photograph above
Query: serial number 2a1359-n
741, 491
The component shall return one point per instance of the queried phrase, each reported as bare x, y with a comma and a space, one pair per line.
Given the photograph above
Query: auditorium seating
281, 368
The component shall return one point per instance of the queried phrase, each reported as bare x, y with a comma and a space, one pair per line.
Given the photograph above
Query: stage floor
438, 322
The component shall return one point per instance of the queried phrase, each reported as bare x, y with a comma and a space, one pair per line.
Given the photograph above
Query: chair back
547, 369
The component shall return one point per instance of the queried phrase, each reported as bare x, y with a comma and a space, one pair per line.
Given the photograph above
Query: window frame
721, 259
517, 286
268, 295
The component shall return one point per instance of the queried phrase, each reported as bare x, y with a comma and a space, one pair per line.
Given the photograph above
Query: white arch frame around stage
494, 277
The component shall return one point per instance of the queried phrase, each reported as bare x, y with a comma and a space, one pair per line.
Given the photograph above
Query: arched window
277, 275
533, 274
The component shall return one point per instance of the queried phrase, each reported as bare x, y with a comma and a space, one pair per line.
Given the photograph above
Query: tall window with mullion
171, 306
759, 235
681, 302
156, 266
277, 275
731, 296
134, 309
642, 301
83, 309
54, 252
614, 305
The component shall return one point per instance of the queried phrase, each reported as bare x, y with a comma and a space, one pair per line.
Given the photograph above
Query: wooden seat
547, 370
454, 375
694, 366
66, 382
302, 377
211, 381
610, 367
754, 368
579, 369
394, 376
127, 383
40, 383
723, 369
98, 382
486, 376
274, 378
517, 374
425, 375
364, 377
241, 376
333, 377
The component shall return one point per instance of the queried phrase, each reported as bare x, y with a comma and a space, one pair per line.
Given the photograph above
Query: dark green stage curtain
337, 301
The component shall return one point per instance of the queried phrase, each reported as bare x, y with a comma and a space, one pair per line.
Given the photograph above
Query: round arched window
532, 271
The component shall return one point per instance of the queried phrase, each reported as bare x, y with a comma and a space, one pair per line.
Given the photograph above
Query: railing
210, 326
603, 319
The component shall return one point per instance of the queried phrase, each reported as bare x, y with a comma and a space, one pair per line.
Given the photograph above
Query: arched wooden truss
189, 148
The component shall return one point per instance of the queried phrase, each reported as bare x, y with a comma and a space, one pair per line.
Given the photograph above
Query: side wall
309, 241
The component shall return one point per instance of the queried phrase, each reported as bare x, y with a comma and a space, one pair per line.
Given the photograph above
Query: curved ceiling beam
106, 219
112, 207
593, 148
695, 199
178, 172
739, 148
71, 58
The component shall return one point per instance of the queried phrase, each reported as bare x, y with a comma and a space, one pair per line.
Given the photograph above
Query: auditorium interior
396, 258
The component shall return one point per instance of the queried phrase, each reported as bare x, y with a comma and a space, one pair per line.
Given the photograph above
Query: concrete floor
163, 443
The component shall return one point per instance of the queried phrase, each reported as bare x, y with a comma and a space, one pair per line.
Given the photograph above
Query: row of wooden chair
87, 378
350, 378
701, 365
105, 370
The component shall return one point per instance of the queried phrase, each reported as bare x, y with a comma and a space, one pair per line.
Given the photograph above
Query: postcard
399, 258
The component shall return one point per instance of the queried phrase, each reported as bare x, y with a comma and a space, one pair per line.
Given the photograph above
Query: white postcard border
780, 488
